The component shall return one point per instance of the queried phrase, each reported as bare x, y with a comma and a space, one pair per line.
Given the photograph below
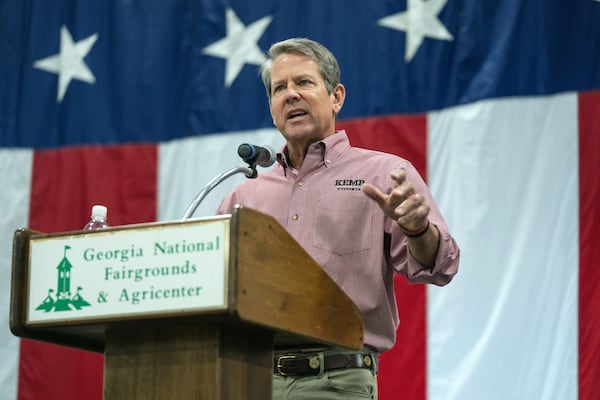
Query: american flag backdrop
137, 104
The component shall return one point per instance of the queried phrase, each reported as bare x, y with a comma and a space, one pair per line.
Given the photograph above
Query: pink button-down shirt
322, 206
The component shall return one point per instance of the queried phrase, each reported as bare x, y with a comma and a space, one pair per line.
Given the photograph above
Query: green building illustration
64, 300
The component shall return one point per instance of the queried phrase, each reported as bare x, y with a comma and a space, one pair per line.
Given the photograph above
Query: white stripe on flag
15, 181
505, 176
186, 166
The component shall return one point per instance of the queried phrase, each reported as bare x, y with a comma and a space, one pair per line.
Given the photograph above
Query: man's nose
291, 94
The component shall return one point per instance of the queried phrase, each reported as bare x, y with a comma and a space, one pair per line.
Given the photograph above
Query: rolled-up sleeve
445, 267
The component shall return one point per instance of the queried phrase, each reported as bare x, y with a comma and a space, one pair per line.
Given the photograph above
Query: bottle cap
99, 211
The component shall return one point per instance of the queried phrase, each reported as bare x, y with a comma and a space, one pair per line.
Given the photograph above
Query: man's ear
339, 95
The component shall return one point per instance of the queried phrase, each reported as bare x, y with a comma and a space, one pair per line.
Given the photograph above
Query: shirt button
300, 183
294, 217
328, 161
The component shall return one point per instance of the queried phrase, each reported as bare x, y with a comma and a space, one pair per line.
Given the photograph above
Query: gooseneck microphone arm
251, 154
250, 172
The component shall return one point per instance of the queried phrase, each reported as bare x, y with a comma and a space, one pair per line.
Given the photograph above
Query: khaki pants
339, 384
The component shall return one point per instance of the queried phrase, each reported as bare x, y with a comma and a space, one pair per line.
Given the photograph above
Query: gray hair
328, 65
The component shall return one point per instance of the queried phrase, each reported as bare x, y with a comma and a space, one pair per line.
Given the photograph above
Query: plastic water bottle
98, 219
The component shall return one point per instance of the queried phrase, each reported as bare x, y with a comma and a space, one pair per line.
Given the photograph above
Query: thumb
374, 193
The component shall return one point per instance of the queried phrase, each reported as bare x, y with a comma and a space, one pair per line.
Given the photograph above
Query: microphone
256, 155
253, 155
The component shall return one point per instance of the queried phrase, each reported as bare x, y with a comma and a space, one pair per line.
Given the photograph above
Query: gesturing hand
403, 204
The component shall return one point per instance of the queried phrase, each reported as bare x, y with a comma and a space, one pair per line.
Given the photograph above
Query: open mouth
296, 114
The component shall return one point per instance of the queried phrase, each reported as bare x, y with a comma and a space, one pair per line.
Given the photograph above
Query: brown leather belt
310, 363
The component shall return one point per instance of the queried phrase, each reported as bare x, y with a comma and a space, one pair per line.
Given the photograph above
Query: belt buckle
279, 366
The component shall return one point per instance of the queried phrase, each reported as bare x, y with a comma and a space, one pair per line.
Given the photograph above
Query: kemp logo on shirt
349, 184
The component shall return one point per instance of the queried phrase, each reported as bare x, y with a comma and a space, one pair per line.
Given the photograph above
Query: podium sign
162, 269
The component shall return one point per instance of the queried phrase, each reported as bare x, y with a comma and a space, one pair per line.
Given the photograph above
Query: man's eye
277, 89
304, 82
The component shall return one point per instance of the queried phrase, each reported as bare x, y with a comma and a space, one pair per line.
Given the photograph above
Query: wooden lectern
274, 295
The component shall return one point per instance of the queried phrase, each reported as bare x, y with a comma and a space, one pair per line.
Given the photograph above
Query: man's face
301, 108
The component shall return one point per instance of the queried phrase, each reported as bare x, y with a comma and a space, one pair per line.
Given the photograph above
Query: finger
410, 202
399, 176
374, 193
413, 214
401, 193
411, 222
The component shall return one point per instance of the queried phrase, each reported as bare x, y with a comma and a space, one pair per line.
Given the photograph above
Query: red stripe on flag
65, 185
405, 136
402, 369
589, 221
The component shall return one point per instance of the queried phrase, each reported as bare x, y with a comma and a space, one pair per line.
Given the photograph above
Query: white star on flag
240, 46
68, 64
420, 20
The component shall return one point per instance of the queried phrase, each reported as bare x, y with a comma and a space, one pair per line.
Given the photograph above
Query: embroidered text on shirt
349, 184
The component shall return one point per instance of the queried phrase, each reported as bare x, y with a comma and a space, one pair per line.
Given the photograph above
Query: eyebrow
301, 76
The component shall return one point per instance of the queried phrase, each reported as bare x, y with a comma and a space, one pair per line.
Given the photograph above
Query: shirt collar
331, 148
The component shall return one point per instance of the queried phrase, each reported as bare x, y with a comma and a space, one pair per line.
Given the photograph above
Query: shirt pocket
343, 227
